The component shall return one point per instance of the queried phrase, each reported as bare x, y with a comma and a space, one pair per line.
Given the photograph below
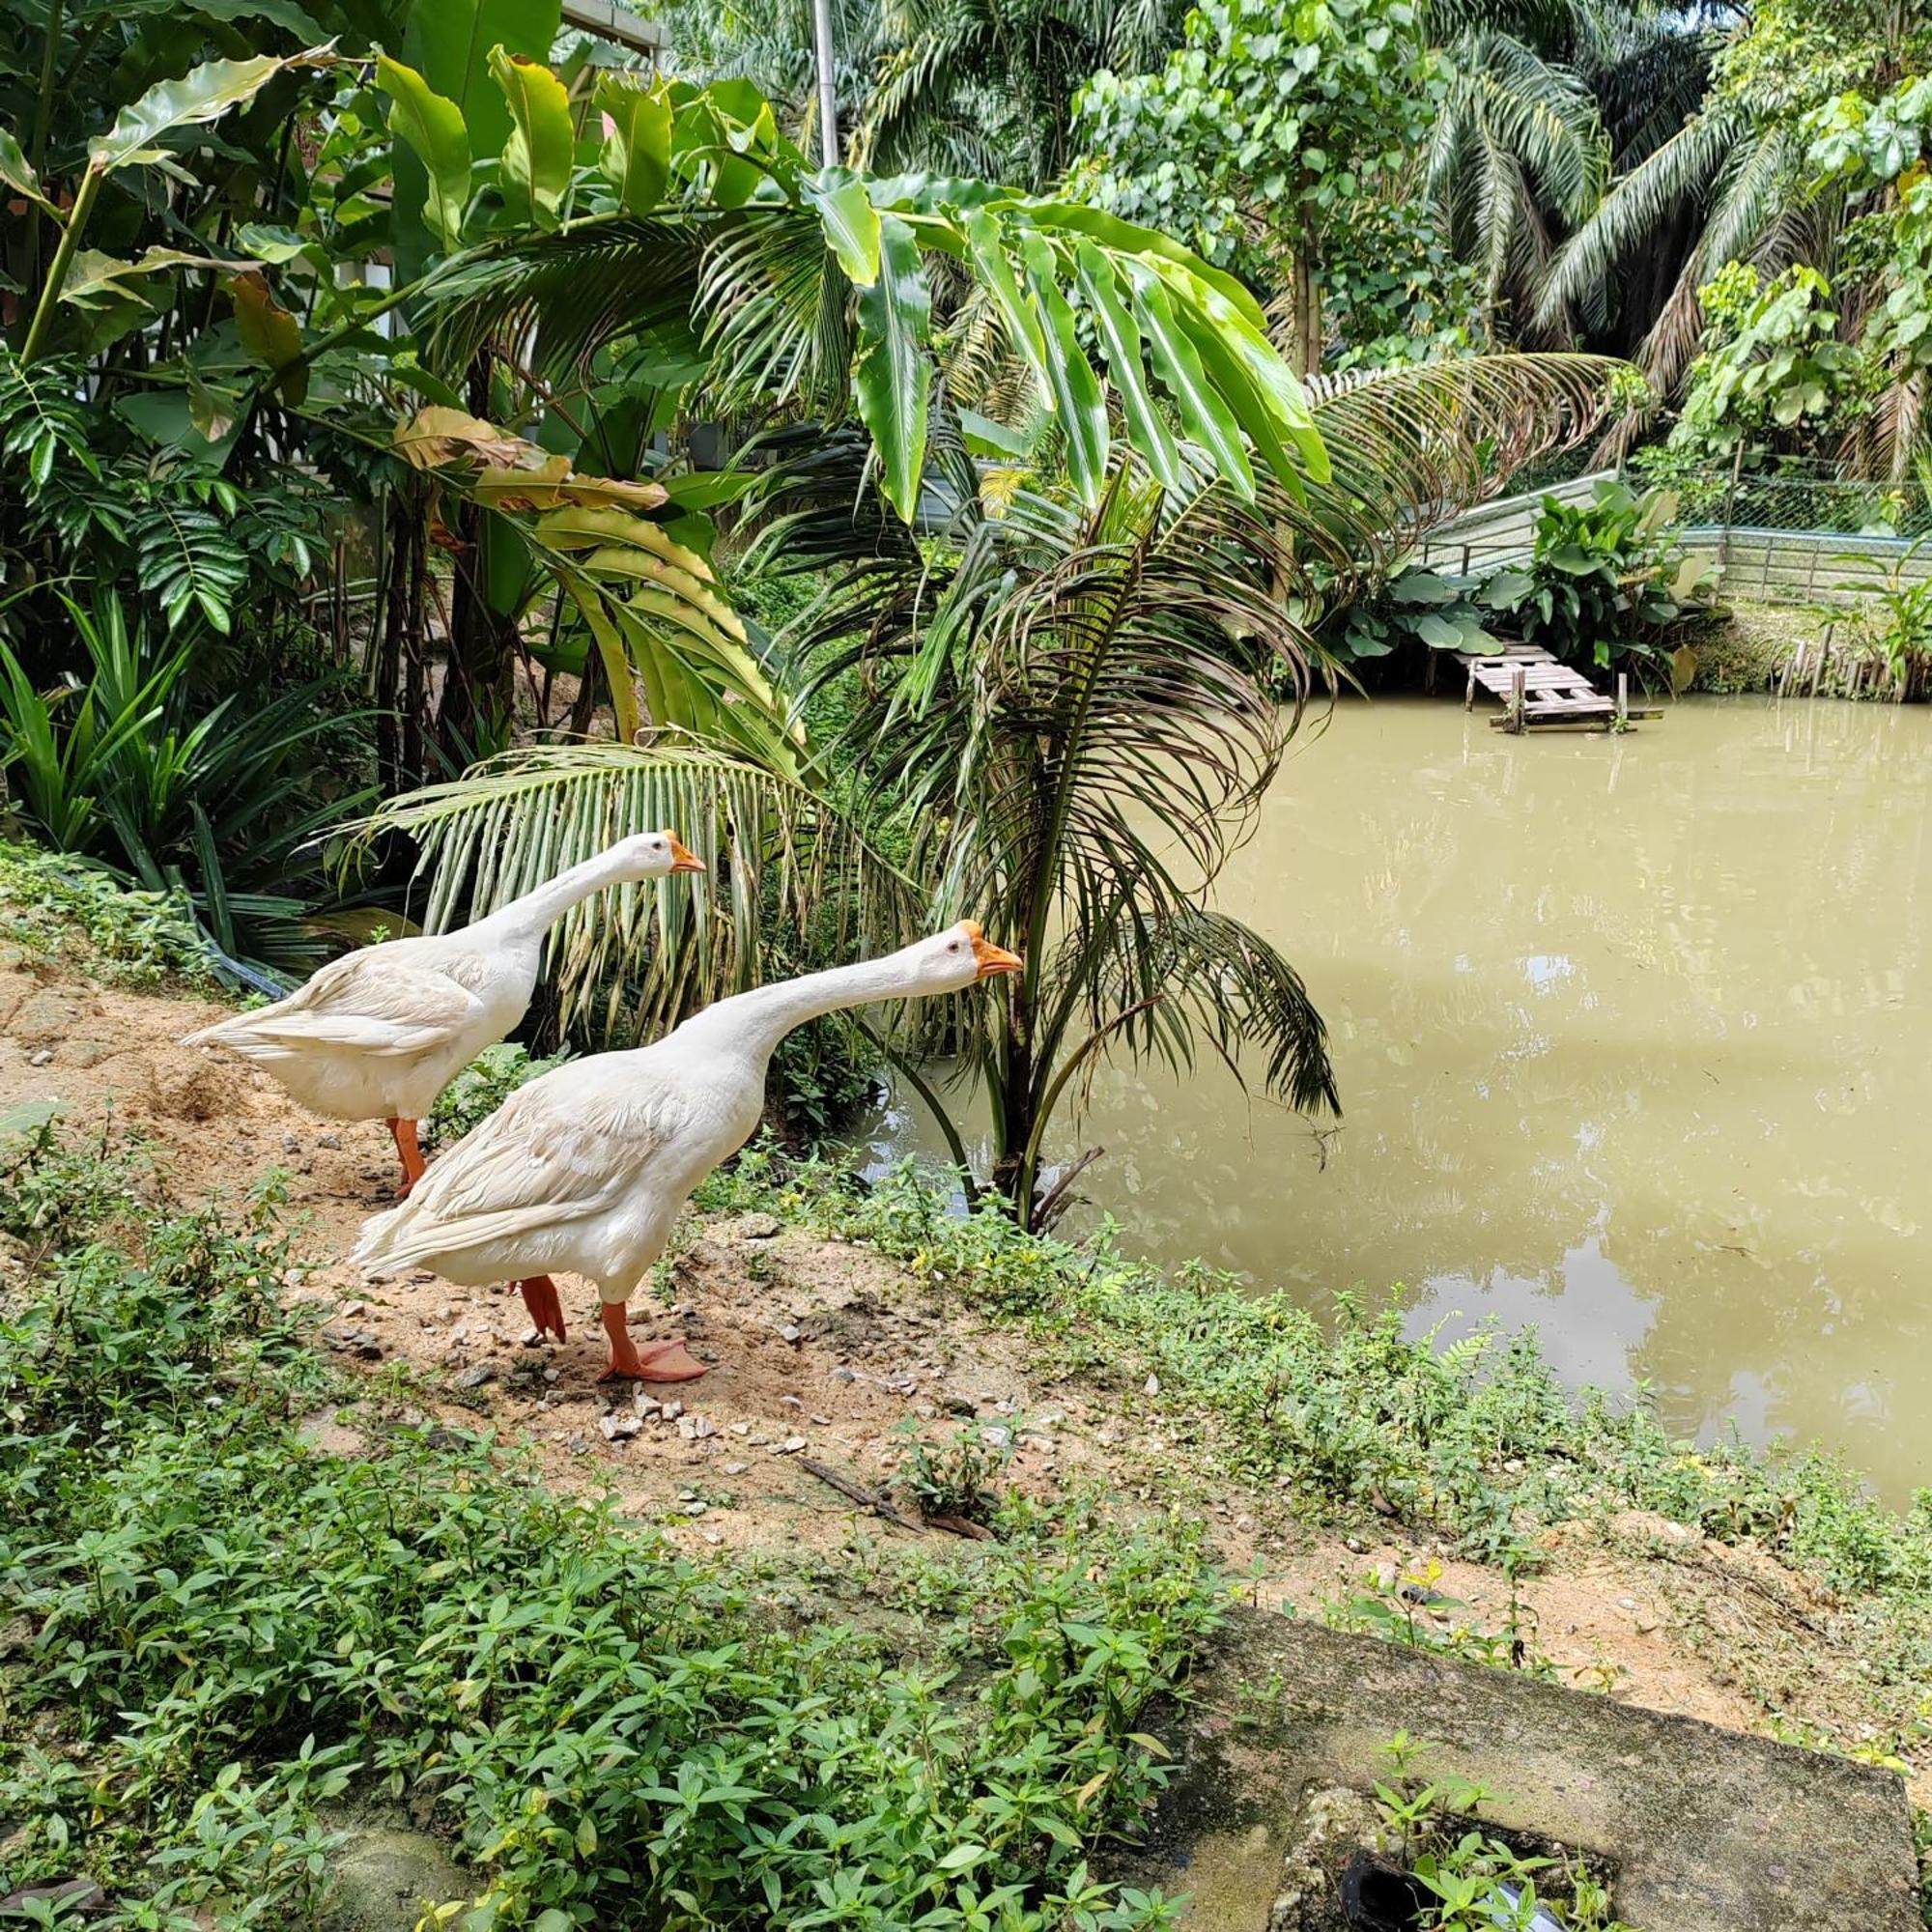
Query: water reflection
1630, 1037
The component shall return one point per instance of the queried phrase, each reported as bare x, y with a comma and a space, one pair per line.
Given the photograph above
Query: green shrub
138, 938
230, 1627
480, 1088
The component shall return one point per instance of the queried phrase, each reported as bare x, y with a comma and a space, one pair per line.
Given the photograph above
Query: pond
1632, 1037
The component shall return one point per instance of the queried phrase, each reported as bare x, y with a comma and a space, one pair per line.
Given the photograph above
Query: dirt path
825, 1351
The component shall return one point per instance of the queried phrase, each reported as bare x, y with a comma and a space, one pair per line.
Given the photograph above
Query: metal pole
827, 82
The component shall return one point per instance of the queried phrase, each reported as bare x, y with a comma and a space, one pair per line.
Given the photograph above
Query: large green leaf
202, 95
1146, 427
893, 378
541, 145
637, 149
1071, 383
449, 42
432, 128
1207, 418
851, 223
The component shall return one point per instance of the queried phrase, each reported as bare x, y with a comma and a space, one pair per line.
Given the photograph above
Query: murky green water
1634, 1037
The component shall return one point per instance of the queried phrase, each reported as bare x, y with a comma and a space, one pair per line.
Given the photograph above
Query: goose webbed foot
662, 1362
539, 1295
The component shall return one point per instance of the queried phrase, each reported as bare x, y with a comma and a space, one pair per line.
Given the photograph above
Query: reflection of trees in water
1663, 994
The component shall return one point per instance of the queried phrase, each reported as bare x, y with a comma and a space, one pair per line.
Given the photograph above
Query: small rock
823, 1421
647, 1405
1513, 1465
714, 1536
619, 1428
475, 1379
328, 1140
844, 1374
733, 1468
925, 1410
354, 1308
532, 1337
755, 1226
791, 1332
552, 1375
792, 1400
740, 1428
1626, 1602
695, 1508
43, 1058
291, 1145
576, 1444
1354, 1545
960, 1405
996, 1433
695, 1428
671, 1409
790, 1446
1152, 1386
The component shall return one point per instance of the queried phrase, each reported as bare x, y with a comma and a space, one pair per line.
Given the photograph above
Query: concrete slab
1705, 1830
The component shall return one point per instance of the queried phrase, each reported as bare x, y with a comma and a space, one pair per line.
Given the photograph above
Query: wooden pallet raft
1537, 693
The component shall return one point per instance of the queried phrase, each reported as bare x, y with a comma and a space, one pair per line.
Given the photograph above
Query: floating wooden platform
1537, 693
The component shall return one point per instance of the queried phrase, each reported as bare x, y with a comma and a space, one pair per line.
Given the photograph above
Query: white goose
378, 1033
586, 1169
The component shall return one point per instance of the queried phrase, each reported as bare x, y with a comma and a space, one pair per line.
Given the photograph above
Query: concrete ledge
1708, 1831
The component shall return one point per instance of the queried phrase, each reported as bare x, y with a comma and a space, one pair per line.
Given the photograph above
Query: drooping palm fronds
791, 882
1518, 144
1412, 447
964, 82
1089, 731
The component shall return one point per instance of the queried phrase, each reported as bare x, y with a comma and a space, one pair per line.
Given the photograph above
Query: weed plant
216, 1632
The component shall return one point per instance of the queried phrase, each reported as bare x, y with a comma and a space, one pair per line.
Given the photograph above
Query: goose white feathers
586, 1169
377, 1035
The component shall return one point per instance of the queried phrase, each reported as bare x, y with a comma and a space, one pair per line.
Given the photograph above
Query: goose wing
542, 1158
364, 1003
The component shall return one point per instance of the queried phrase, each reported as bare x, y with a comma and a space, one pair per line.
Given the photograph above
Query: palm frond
1679, 174
791, 882
1416, 445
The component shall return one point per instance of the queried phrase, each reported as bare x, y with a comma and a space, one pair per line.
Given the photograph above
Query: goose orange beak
682, 858
993, 960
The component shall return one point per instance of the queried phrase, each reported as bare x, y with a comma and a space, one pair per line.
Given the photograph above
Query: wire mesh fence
1805, 535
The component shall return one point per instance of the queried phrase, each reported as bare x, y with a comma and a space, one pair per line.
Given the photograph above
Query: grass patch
1477, 1443
215, 1629
137, 939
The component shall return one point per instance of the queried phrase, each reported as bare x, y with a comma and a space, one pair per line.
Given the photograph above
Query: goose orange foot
404, 1134
539, 1295
666, 1362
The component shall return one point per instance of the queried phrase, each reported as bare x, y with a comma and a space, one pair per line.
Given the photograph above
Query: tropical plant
131, 770
960, 654
1607, 580
1266, 137
987, 86
1729, 182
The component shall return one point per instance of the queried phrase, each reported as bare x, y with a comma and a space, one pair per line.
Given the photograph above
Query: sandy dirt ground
826, 1353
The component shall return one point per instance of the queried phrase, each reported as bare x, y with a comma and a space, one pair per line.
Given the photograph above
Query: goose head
650, 855
956, 957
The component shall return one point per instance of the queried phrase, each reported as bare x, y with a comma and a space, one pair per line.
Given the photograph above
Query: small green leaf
432, 128
542, 145
635, 157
